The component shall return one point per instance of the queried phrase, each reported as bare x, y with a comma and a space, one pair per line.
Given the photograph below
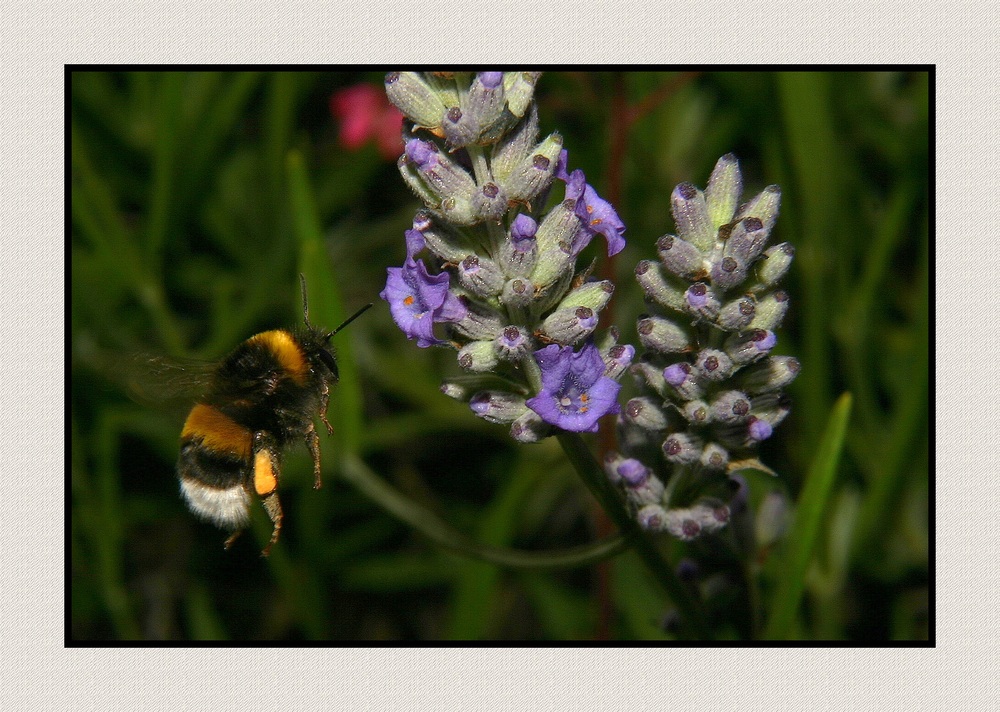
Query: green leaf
804, 533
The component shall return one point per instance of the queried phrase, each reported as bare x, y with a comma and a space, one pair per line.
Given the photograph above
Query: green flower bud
446, 244
479, 323
691, 216
645, 413
478, 356
520, 89
534, 173
518, 292
771, 374
730, 407
682, 448
529, 428
714, 457
415, 98
697, 412
594, 295
763, 206
554, 238
413, 179
516, 147
490, 202
680, 257
771, 310
567, 326
480, 275
736, 315
497, 406
459, 210
665, 292
661, 335
722, 195
775, 263
713, 365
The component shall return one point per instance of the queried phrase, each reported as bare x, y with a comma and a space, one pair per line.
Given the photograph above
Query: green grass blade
804, 533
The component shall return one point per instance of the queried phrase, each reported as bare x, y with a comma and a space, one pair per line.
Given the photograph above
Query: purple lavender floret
418, 300
575, 392
597, 215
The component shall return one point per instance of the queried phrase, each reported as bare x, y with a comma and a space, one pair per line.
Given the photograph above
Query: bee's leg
324, 403
266, 473
273, 506
232, 537
312, 442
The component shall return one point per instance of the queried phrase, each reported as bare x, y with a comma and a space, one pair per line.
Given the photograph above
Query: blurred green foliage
197, 197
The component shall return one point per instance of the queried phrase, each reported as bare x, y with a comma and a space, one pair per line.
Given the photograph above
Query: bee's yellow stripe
217, 431
286, 349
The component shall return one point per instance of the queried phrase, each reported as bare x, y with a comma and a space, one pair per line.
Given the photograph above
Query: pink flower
365, 114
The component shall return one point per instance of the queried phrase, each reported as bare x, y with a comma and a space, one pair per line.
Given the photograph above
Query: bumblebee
262, 396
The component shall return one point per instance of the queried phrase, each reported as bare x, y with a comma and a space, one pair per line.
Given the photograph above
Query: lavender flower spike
417, 300
575, 392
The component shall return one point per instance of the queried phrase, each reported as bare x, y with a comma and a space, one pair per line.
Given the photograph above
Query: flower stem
690, 608
427, 523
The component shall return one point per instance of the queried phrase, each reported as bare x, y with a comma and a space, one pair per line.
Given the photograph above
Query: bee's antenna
351, 318
305, 302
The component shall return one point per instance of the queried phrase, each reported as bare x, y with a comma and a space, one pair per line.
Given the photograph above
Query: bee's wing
165, 383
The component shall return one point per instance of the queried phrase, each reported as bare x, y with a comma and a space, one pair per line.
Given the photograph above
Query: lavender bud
727, 273
567, 326
520, 89
722, 194
697, 412
611, 462
486, 98
710, 516
661, 335
594, 295
730, 407
515, 147
655, 285
680, 257
746, 241
460, 128
714, 457
517, 255
750, 347
497, 406
478, 323
652, 518
771, 407
691, 216
682, 448
648, 374
701, 301
480, 275
529, 428
632, 473
682, 524
446, 244
533, 174
758, 429
682, 378
459, 210
771, 310
411, 95
490, 202
645, 413
713, 365
555, 237
412, 178
517, 292
764, 206
771, 374
736, 315
513, 344
649, 492
454, 390
617, 359
478, 356
775, 263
